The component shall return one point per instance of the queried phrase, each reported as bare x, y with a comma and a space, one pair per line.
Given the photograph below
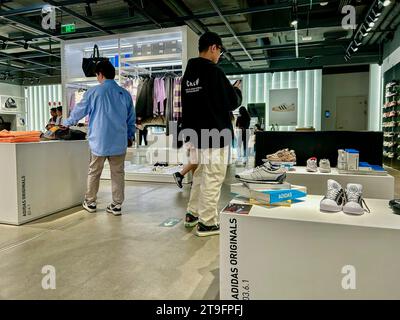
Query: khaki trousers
117, 168
207, 182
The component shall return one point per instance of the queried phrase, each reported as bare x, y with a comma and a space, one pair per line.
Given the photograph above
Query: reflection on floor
99, 256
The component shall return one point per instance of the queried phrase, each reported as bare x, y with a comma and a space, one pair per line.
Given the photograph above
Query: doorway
352, 113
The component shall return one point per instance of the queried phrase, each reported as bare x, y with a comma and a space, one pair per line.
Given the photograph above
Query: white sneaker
334, 198
265, 173
324, 166
312, 165
115, 209
354, 200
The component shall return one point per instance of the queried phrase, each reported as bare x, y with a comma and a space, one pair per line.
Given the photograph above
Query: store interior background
184, 267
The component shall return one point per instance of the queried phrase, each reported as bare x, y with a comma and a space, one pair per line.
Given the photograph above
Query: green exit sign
68, 28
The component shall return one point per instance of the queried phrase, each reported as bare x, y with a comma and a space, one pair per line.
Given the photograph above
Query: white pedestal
41, 178
298, 252
377, 187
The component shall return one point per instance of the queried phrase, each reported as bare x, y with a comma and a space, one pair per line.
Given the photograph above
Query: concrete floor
99, 256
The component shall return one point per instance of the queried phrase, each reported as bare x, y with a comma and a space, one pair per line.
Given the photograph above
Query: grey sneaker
89, 207
115, 209
324, 166
266, 173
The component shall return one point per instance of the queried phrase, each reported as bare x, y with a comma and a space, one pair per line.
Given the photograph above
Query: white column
375, 97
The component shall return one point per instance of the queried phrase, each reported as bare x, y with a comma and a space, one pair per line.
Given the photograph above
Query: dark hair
59, 109
53, 109
207, 40
243, 112
106, 69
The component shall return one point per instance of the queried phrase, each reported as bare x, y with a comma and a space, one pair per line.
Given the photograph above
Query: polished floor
99, 256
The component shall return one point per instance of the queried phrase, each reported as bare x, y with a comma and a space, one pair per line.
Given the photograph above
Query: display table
298, 252
41, 178
378, 187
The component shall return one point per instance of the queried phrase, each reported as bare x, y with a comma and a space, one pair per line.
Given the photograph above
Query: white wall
341, 85
11, 90
15, 91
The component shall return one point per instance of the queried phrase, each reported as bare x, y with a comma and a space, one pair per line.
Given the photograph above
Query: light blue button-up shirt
111, 118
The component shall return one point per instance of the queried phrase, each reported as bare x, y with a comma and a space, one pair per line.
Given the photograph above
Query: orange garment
19, 136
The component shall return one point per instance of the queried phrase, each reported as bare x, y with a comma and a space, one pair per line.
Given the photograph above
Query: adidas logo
192, 84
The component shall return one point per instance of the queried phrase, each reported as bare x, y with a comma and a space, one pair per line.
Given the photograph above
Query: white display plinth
377, 187
41, 178
298, 252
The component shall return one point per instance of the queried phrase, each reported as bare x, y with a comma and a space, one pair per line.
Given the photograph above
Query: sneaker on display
205, 231
190, 220
284, 155
324, 166
115, 209
178, 179
334, 198
89, 207
265, 173
284, 108
312, 164
354, 200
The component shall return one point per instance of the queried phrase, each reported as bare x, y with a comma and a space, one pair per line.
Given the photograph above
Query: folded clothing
19, 136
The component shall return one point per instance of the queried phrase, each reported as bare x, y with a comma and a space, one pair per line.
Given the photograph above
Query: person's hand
130, 143
238, 84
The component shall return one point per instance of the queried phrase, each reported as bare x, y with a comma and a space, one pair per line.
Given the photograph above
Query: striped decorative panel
256, 88
38, 98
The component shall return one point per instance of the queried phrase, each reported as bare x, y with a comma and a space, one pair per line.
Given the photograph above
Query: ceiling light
364, 30
357, 43
386, 3
354, 49
88, 10
294, 23
323, 4
376, 14
307, 38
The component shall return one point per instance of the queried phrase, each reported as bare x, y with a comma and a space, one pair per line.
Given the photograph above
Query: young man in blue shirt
111, 130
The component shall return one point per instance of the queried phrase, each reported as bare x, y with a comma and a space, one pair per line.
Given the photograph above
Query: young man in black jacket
207, 99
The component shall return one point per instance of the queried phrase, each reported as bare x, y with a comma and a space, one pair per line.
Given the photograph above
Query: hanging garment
159, 96
144, 103
169, 90
177, 99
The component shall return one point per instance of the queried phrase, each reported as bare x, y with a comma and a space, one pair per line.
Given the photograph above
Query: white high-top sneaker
354, 200
334, 198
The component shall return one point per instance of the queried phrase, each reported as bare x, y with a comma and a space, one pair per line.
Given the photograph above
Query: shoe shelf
391, 124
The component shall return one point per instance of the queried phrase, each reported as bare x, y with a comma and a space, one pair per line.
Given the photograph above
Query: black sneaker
205, 231
191, 221
178, 179
89, 207
115, 209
